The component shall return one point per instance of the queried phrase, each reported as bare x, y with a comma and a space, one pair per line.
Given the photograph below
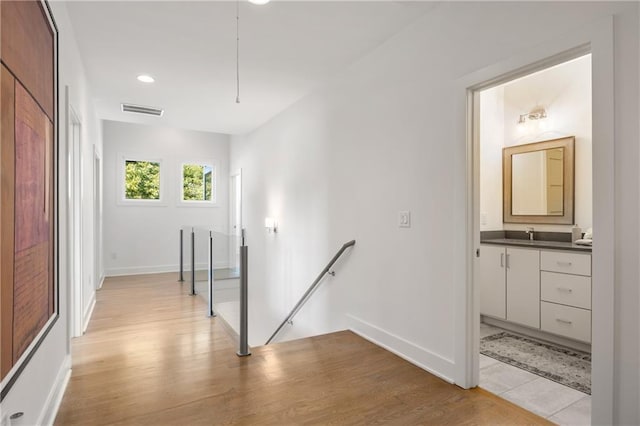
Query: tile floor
557, 403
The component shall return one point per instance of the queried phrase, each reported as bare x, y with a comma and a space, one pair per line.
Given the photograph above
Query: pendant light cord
237, 51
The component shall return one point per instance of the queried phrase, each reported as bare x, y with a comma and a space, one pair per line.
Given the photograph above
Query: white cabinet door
523, 286
492, 281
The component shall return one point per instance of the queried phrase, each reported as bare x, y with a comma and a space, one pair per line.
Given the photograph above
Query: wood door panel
32, 182
7, 170
31, 296
27, 49
33, 221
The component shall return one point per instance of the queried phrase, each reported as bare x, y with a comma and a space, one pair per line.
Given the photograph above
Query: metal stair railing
311, 289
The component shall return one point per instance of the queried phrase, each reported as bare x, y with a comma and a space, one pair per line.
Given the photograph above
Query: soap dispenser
576, 233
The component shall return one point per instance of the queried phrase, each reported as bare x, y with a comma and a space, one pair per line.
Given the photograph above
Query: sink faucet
530, 232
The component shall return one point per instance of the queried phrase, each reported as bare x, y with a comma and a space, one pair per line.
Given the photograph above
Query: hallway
150, 356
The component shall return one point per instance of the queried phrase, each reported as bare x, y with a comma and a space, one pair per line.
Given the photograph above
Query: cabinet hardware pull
568, 290
508, 260
564, 263
564, 321
502, 260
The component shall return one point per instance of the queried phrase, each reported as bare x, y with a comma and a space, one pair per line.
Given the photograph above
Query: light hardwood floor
151, 357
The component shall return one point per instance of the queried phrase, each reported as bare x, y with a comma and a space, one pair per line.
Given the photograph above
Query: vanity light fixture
146, 78
535, 114
270, 224
259, 2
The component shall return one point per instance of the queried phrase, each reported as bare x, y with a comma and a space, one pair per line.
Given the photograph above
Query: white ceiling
286, 50
543, 88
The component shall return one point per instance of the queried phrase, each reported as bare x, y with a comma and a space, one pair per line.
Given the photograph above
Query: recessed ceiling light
146, 78
259, 2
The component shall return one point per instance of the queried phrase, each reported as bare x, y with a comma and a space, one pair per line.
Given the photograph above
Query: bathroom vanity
537, 283
541, 285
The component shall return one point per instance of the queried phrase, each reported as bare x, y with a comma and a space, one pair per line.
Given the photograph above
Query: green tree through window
197, 182
142, 180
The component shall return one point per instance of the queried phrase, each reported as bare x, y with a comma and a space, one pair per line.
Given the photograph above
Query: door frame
74, 209
97, 219
596, 39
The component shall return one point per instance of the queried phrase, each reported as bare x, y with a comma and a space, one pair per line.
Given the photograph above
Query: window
141, 181
198, 183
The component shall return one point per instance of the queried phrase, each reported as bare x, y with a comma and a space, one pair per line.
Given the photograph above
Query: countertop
558, 245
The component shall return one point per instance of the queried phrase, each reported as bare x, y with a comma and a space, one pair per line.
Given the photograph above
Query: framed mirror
538, 182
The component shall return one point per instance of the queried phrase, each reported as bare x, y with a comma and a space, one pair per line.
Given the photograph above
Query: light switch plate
404, 219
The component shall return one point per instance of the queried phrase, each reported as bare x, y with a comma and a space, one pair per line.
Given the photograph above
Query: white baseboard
416, 355
88, 312
159, 269
101, 282
54, 399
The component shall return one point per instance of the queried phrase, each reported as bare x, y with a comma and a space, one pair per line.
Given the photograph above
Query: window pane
197, 182
142, 180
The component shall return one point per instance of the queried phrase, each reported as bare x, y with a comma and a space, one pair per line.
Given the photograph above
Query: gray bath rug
565, 366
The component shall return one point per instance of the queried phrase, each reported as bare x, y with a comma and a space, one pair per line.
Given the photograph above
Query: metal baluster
193, 262
243, 350
181, 255
210, 312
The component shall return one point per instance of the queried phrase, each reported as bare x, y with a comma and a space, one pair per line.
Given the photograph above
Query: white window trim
214, 183
122, 200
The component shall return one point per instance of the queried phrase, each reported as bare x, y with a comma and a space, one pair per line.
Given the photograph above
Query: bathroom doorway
532, 275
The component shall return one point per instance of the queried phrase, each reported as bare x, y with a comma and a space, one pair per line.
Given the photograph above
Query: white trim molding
54, 399
88, 312
416, 355
121, 176
159, 269
181, 202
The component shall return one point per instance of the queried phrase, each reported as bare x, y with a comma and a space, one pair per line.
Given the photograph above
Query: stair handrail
312, 287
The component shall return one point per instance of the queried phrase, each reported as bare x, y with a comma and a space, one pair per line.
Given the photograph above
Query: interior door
75, 173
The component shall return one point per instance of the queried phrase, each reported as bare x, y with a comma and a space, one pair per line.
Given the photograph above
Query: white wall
39, 388
144, 239
491, 144
565, 92
382, 137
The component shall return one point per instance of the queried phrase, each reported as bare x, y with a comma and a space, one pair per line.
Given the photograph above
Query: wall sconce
270, 224
535, 114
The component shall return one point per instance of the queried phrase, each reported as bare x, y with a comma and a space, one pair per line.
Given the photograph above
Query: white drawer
565, 262
572, 290
574, 323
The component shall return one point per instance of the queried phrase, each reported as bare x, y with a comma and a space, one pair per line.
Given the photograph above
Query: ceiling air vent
139, 109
